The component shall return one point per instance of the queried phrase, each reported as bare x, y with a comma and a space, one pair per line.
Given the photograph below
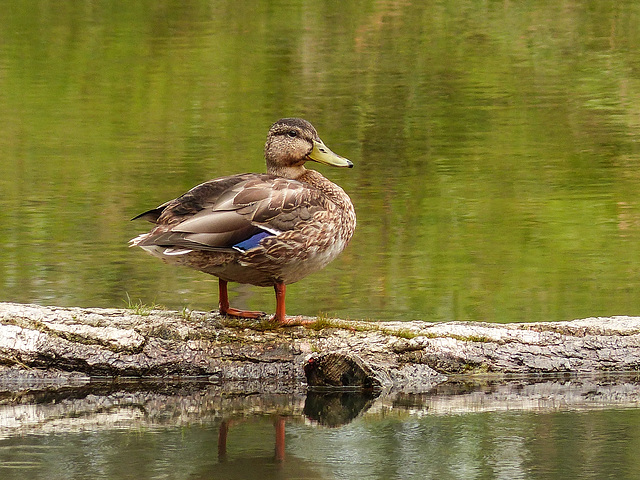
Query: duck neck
328, 188
294, 172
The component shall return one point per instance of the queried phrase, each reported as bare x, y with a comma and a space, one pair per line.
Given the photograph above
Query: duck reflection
244, 439
223, 432
325, 408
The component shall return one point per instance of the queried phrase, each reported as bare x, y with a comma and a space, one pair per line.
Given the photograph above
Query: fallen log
58, 345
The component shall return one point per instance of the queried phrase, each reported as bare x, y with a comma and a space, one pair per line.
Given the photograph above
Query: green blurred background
496, 148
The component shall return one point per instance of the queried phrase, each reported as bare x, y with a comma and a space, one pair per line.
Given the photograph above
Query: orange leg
281, 290
225, 309
280, 316
280, 439
222, 440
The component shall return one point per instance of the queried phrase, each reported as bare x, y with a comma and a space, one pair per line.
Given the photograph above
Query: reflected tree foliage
495, 143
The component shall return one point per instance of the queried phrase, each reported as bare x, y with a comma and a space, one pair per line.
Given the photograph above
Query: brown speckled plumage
267, 229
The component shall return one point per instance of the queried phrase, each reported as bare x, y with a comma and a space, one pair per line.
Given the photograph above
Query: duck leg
223, 431
280, 439
225, 309
281, 290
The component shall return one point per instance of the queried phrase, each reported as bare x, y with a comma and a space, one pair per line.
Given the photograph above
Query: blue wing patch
251, 242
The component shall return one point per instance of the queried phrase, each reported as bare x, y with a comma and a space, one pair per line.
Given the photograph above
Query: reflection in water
496, 148
335, 408
554, 428
223, 432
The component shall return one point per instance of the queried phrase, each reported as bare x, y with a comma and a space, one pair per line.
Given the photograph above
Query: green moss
474, 368
403, 333
324, 322
470, 338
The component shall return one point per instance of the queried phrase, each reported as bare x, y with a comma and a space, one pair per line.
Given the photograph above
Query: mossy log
67, 345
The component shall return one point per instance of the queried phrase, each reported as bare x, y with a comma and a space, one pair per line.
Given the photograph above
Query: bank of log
72, 345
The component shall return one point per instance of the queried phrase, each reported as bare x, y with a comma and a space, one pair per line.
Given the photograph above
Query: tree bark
67, 346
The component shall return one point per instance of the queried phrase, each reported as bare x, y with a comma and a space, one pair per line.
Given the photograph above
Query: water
496, 151
495, 148
549, 429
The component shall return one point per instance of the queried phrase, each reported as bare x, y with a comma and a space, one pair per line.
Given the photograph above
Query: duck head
293, 141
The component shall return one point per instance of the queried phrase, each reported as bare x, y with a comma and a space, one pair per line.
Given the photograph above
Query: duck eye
292, 133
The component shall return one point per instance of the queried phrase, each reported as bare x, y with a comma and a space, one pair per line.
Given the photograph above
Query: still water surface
496, 148
584, 430
473, 446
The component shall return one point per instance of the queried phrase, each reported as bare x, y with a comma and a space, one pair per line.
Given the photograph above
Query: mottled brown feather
308, 219
207, 218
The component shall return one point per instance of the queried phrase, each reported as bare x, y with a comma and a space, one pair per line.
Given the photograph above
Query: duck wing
232, 213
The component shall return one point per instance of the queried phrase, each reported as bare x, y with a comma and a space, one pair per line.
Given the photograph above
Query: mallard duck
268, 229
